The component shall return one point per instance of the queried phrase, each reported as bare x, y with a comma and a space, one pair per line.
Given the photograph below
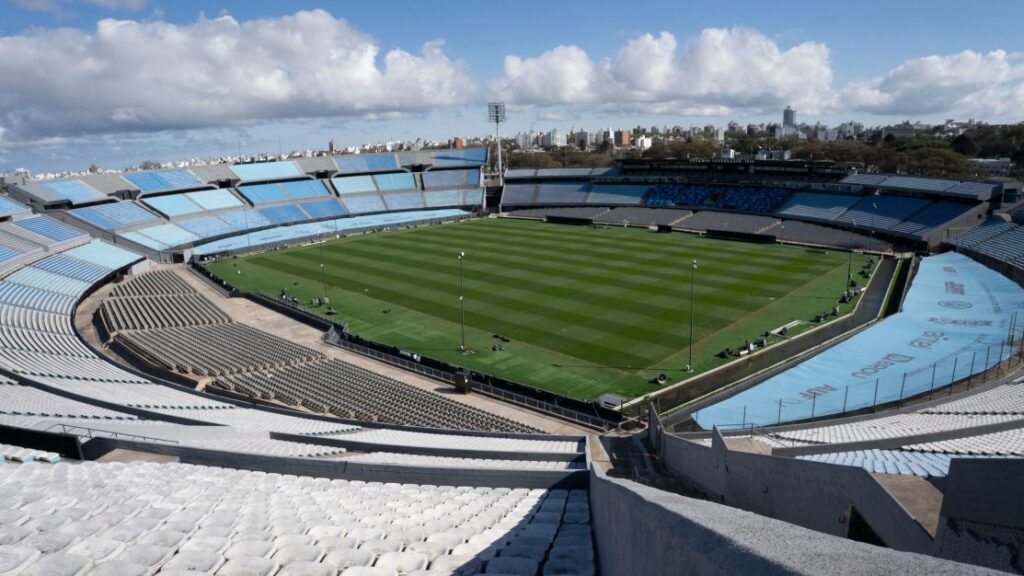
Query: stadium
407, 363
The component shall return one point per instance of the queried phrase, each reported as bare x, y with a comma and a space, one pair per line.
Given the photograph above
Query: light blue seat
214, 199
364, 204
169, 234
173, 205
404, 201
9, 207
324, 209
75, 191
267, 170
395, 181
303, 189
354, 184
206, 226
72, 267
49, 228
264, 193
245, 219
286, 214
163, 180
440, 198
104, 254
115, 215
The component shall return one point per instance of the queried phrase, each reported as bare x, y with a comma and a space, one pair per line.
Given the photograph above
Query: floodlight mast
496, 116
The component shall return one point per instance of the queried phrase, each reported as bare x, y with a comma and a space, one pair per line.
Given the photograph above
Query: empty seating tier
728, 222
881, 212
214, 350
354, 393
643, 216
144, 518
816, 206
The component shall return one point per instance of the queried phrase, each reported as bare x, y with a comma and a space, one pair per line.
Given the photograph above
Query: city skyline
175, 87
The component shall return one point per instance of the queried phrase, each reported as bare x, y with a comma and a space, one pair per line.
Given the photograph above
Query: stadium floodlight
496, 116
462, 299
693, 274
849, 262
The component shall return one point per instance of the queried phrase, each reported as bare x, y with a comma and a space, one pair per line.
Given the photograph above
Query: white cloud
990, 86
564, 74
719, 71
145, 76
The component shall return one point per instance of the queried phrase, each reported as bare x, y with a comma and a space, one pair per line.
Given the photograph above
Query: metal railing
966, 370
100, 433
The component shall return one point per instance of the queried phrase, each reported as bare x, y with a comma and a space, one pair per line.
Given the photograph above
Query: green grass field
588, 310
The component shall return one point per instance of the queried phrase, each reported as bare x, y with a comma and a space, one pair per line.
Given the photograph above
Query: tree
963, 144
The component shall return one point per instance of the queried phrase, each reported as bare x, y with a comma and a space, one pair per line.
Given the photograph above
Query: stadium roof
943, 186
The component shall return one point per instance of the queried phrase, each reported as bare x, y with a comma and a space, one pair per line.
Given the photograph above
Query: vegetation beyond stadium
586, 310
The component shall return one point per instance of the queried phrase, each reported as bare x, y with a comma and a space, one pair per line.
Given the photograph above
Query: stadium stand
729, 222
931, 217
262, 171
178, 330
444, 179
364, 204
614, 194
519, 194
163, 180
320, 209
562, 193
174, 517
395, 181
799, 232
298, 232
284, 214
114, 215
354, 184
9, 208
816, 206
404, 201
881, 212
443, 198
581, 213
899, 357
643, 216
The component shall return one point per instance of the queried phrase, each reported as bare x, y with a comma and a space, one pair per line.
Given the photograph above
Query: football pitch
587, 311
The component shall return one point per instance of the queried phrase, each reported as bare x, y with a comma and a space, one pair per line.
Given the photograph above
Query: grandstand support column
462, 300
693, 274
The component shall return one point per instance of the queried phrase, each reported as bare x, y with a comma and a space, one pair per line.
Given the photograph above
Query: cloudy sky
120, 81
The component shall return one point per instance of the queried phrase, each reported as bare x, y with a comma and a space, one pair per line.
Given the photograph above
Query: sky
117, 82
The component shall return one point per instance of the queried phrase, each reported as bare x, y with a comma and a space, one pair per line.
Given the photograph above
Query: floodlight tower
496, 116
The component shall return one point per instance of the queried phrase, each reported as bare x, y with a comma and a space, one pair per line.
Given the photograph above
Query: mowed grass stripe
605, 297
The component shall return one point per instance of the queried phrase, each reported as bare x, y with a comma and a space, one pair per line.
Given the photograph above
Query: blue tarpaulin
958, 315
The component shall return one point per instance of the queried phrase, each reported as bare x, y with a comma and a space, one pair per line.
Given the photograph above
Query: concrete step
124, 455
921, 499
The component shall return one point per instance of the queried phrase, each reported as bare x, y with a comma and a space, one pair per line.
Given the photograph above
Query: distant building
904, 130
994, 166
458, 143
726, 154
623, 137
789, 116
553, 139
763, 154
643, 142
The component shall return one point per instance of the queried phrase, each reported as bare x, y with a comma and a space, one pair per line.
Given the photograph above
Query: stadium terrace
414, 363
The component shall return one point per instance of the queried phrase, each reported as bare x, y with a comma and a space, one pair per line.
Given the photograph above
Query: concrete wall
325, 468
641, 530
982, 518
811, 494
